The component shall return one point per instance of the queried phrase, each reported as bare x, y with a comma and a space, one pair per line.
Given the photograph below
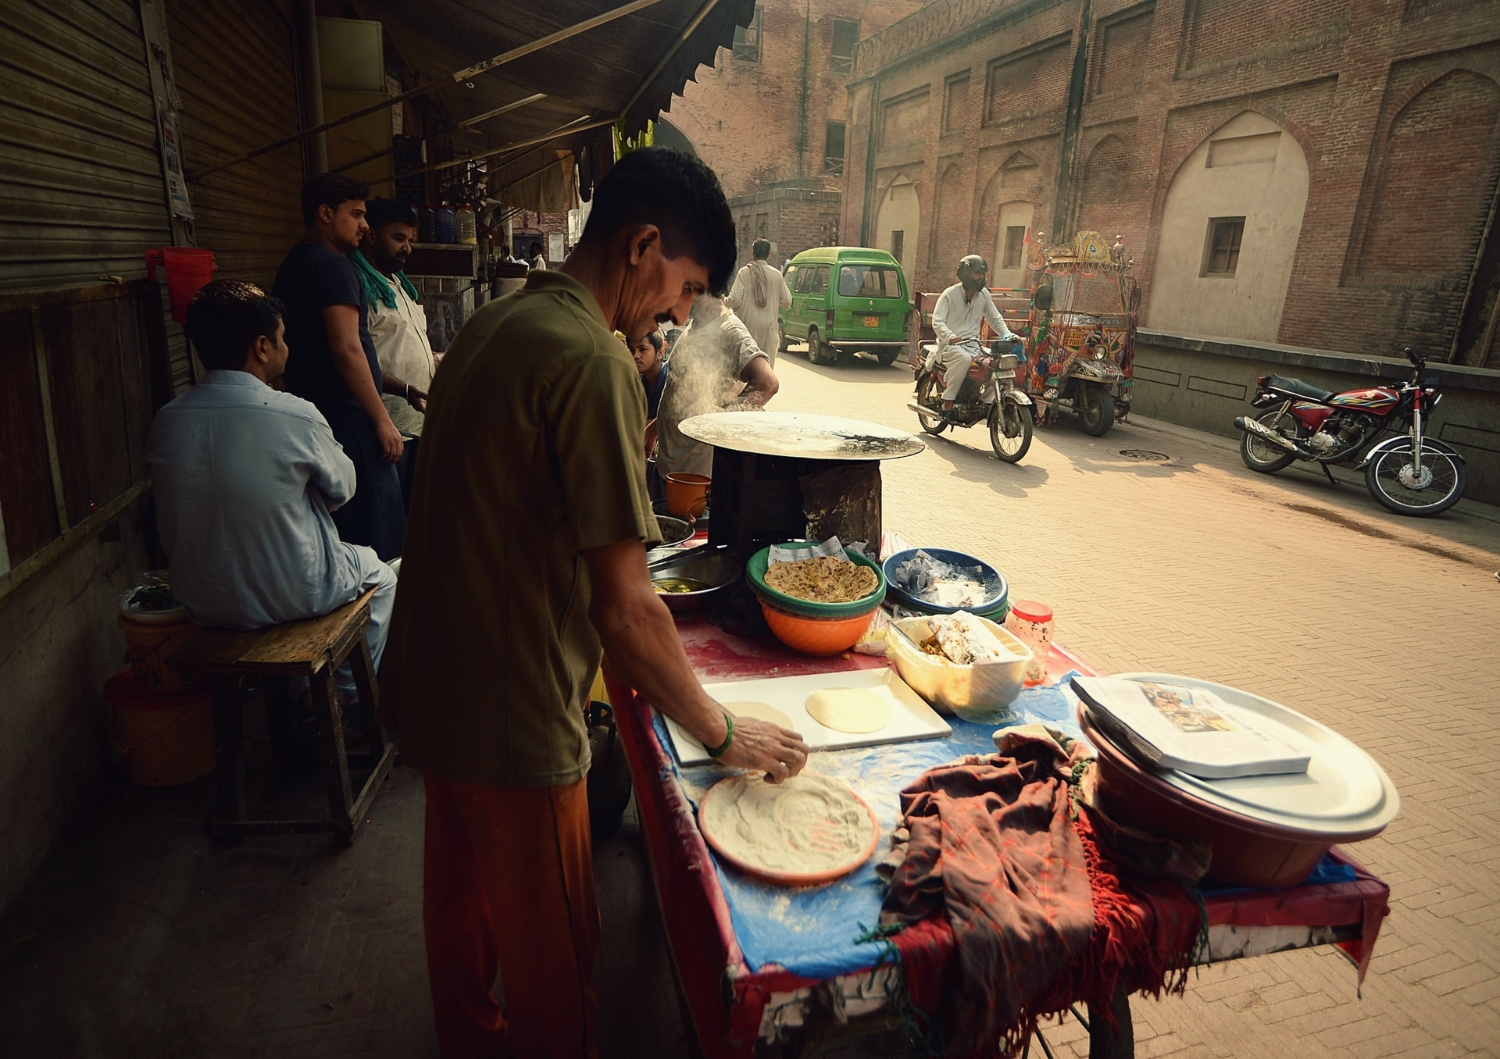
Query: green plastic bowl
755, 573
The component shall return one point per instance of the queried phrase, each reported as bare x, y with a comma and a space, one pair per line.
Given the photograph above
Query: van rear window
869, 281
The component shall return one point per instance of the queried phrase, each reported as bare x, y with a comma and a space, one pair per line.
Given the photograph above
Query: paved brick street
139, 940
1387, 629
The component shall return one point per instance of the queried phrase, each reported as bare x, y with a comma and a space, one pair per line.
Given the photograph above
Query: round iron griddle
802, 435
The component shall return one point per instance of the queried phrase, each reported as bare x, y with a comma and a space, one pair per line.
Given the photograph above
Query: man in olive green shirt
524, 557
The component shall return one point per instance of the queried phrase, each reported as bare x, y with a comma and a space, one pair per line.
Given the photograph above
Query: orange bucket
687, 495
189, 269
150, 643
163, 739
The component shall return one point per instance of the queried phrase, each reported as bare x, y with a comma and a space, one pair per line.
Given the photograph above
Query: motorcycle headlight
1008, 362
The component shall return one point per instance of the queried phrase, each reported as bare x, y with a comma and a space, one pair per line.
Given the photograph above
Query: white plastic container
981, 693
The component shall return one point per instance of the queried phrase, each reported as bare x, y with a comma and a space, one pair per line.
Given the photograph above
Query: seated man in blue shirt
245, 478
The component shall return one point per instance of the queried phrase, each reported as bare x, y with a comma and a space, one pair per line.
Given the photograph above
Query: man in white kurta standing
398, 323
758, 295
716, 367
956, 319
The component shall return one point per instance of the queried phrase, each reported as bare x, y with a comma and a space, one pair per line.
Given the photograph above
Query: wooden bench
311, 649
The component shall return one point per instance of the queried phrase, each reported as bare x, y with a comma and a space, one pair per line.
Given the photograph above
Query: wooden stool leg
335, 764
281, 725
229, 750
1119, 1043
369, 694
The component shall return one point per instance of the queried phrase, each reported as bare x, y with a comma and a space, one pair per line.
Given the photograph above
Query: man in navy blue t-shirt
333, 363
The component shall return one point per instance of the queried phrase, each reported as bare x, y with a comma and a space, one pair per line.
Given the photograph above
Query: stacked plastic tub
162, 723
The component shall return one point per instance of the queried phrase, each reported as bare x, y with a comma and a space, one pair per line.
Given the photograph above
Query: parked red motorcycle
1409, 473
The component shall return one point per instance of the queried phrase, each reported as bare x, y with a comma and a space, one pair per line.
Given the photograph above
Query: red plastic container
189, 269
1246, 852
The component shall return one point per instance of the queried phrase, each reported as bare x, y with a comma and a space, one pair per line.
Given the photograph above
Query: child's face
644, 353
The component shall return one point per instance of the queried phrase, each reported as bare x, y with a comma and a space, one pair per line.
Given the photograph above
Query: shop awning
628, 67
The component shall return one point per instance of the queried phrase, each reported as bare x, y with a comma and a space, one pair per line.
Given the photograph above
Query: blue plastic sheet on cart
811, 931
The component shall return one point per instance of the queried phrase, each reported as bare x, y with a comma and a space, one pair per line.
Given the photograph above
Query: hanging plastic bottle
447, 224
468, 232
426, 225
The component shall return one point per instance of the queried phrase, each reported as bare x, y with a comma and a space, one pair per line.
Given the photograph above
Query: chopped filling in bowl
823, 579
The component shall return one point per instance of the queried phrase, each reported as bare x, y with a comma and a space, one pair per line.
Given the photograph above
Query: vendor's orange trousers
508, 885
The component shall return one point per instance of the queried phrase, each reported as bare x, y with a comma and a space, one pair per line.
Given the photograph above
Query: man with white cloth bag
955, 320
758, 293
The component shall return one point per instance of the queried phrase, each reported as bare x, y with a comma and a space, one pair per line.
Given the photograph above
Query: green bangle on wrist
719, 751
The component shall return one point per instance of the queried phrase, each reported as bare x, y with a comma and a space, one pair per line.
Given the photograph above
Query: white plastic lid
1343, 793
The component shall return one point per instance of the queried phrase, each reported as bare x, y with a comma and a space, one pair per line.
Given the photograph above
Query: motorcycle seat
1302, 389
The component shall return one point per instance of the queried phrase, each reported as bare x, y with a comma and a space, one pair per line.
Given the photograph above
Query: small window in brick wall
833, 149
898, 245
1221, 255
747, 40
841, 55
1015, 246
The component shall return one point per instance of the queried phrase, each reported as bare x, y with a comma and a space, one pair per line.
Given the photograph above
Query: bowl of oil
696, 580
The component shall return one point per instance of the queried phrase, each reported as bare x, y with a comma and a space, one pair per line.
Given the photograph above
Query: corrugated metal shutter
236, 72
81, 192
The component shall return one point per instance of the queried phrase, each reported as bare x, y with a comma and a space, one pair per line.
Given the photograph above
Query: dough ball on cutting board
852, 710
760, 711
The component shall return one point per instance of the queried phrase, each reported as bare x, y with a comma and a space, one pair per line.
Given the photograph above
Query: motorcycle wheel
1383, 478
1267, 459
932, 422
1010, 431
1096, 409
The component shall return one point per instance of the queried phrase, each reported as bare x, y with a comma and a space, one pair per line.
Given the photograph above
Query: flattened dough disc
806, 830
853, 710
760, 711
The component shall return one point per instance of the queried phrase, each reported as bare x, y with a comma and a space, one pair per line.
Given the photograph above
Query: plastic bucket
188, 270
163, 739
148, 646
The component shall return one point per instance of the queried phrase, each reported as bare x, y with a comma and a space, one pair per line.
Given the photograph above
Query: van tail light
829, 315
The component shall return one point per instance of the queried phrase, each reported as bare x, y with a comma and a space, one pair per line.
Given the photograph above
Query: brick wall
1394, 103
764, 123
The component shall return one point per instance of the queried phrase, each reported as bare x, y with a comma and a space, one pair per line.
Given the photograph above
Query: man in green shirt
525, 556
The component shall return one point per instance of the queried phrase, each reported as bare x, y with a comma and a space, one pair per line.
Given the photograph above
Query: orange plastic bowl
817, 636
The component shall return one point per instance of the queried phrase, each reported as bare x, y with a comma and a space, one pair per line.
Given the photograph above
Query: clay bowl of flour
805, 831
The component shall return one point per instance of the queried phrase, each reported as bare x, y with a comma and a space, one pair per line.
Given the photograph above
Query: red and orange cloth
1011, 910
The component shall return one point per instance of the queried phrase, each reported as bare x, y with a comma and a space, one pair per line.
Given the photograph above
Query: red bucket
188, 270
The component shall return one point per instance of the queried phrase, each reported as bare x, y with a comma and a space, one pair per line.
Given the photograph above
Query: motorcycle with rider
960, 383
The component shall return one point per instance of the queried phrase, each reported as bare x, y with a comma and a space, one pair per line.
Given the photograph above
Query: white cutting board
911, 717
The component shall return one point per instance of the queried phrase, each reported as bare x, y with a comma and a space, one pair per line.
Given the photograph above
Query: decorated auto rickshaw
1079, 331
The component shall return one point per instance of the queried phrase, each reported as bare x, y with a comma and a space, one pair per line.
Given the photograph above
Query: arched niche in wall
1435, 185
950, 221
1229, 232
898, 223
669, 135
1013, 225
1105, 200
1009, 202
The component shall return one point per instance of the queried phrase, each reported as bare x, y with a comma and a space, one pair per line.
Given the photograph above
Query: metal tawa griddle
780, 476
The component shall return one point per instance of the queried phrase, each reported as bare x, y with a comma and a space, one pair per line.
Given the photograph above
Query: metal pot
712, 567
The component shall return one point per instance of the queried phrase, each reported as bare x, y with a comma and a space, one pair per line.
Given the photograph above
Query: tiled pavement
137, 940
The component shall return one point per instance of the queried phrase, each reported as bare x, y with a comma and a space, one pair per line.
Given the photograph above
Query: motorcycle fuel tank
1378, 399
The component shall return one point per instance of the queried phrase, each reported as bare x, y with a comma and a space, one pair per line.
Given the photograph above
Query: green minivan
847, 300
